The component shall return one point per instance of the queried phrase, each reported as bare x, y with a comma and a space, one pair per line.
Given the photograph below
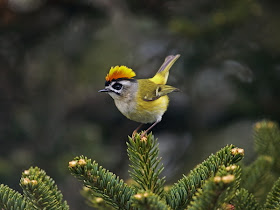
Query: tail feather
163, 72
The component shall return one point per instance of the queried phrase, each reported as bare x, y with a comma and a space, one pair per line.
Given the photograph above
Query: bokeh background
54, 55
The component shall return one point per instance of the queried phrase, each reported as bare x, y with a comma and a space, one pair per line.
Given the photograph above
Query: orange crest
118, 72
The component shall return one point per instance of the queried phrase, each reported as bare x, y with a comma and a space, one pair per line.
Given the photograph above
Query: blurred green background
54, 56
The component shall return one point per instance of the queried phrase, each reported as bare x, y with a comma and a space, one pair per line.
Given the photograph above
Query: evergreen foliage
148, 200
145, 164
181, 193
105, 184
93, 200
209, 196
216, 183
10, 199
267, 142
143, 154
257, 177
245, 200
40, 192
273, 198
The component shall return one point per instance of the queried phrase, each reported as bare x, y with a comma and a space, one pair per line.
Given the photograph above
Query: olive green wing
158, 91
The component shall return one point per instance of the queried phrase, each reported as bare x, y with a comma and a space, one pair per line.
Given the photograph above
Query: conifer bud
25, 181
145, 194
264, 124
227, 206
217, 179
73, 163
86, 189
236, 151
26, 172
258, 125
99, 200
82, 162
34, 182
228, 179
138, 196
270, 124
231, 167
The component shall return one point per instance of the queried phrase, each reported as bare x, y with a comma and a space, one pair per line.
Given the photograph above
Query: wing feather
160, 90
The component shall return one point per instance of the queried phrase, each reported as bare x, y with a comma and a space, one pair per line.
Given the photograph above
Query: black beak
103, 90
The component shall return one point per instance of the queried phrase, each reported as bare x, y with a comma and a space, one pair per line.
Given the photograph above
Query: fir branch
256, 177
10, 199
94, 200
273, 197
148, 200
244, 200
267, 141
41, 190
226, 173
106, 184
208, 196
145, 164
181, 193
217, 192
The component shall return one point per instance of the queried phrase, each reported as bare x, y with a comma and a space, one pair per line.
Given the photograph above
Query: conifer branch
257, 174
217, 191
104, 183
208, 196
94, 200
226, 173
273, 197
267, 141
213, 184
181, 193
145, 163
41, 190
10, 199
148, 200
244, 200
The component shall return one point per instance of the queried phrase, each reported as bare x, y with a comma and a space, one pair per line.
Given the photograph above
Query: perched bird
140, 100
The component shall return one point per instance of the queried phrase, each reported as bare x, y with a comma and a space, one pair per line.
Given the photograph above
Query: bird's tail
163, 72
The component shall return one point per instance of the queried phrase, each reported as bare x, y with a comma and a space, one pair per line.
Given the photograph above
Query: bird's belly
145, 111
150, 111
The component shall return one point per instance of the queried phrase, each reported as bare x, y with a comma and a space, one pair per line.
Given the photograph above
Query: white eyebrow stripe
124, 82
112, 83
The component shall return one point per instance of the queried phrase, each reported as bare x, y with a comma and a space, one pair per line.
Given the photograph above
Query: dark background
54, 55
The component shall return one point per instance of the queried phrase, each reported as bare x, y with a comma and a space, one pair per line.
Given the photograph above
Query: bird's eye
117, 86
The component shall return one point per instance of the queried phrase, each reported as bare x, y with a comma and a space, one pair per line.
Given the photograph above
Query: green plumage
152, 91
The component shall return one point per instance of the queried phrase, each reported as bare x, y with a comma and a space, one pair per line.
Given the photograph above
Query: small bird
140, 100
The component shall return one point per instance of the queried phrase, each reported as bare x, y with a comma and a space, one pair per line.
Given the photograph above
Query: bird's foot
143, 136
134, 134
135, 131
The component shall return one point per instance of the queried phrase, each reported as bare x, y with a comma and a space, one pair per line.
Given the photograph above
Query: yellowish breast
150, 111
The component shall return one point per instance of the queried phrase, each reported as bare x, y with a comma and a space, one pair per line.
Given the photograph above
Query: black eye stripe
117, 86
107, 83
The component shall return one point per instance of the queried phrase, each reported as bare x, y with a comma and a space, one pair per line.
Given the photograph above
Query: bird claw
143, 136
134, 134
135, 131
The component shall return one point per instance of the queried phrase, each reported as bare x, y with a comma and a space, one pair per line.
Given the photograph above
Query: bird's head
120, 83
